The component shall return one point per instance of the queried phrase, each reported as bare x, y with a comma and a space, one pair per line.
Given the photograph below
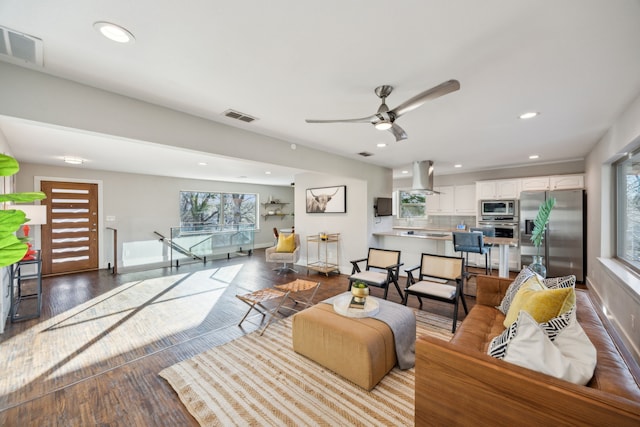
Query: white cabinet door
538, 183
566, 182
447, 199
433, 202
465, 199
503, 189
508, 189
486, 190
443, 203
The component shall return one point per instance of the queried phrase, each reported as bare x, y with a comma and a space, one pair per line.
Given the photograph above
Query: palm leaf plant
13, 248
541, 222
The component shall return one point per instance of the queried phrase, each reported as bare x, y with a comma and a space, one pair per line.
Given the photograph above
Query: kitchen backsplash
440, 221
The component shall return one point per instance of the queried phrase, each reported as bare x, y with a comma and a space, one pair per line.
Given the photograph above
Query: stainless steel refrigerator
564, 244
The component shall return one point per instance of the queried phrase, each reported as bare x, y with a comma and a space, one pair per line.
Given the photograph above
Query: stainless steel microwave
498, 208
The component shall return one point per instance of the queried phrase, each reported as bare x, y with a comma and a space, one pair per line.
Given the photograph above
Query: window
412, 205
226, 211
628, 209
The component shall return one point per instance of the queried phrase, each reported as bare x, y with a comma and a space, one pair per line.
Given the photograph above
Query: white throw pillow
570, 356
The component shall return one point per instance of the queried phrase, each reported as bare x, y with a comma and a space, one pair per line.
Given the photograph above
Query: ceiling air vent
20, 47
365, 154
239, 116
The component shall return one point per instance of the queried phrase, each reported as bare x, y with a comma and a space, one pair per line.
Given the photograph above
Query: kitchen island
413, 242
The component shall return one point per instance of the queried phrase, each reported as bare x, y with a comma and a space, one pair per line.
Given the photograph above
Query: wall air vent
239, 116
19, 47
365, 154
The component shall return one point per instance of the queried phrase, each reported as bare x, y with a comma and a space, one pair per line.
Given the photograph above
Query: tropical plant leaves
11, 220
22, 197
541, 221
8, 165
12, 248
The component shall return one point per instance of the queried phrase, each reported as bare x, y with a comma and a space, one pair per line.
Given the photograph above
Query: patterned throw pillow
560, 282
522, 277
540, 302
569, 355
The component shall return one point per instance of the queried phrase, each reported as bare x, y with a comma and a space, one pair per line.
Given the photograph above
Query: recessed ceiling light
267, 173
529, 115
73, 160
405, 172
457, 166
202, 163
534, 156
114, 32
381, 145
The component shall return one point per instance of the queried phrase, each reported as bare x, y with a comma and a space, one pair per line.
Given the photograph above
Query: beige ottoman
360, 350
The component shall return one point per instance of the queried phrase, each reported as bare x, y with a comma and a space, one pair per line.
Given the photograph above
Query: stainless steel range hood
423, 177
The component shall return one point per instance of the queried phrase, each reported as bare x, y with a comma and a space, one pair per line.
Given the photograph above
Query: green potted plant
537, 235
13, 248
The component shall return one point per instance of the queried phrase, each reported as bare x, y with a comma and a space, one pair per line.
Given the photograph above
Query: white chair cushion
370, 277
433, 288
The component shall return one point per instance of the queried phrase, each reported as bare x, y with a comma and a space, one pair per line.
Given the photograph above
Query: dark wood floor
132, 393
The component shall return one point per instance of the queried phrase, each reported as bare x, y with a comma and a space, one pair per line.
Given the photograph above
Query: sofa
458, 383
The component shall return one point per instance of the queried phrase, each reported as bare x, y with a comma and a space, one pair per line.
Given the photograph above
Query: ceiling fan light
383, 125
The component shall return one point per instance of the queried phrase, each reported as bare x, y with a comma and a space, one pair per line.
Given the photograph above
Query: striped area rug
259, 380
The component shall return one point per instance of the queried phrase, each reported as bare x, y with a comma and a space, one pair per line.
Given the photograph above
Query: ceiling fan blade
421, 98
369, 119
398, 132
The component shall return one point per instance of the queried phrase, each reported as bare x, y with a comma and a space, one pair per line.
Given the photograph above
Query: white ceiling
577, 62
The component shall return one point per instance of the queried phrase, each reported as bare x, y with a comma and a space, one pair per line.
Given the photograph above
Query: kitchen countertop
420, 233
438, 234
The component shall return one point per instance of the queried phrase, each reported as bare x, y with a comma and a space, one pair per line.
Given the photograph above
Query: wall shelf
276, 209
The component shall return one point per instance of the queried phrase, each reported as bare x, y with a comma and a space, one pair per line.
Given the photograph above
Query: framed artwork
327, 199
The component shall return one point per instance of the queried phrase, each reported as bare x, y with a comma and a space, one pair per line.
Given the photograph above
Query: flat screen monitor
384, 206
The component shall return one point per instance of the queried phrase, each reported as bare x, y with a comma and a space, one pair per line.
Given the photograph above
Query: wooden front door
70, 237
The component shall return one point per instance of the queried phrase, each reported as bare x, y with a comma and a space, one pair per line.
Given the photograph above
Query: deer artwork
318, 202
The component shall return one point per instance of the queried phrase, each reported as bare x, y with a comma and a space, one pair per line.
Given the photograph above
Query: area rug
259, 380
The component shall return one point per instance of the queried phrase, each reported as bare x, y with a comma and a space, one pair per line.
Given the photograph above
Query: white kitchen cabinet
566, 182
465, 199
538, 183
442, 203
501, 189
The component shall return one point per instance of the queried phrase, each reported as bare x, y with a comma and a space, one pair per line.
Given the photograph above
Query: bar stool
465, 242
486, 232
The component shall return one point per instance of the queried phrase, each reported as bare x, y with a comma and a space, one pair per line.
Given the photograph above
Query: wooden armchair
434, 281
382, 268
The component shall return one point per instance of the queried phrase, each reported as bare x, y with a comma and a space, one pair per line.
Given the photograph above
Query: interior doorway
70, 237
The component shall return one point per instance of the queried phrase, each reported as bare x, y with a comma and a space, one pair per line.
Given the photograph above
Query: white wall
355, 226
611, 284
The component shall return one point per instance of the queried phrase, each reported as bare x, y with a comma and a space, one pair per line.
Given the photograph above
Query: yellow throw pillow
286, 243
540, 302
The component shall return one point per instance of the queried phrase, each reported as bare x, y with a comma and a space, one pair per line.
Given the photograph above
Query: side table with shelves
26, 286
323, 253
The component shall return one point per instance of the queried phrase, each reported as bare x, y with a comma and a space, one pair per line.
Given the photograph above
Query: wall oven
508, 228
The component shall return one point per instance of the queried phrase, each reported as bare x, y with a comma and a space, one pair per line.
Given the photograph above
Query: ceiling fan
384, 119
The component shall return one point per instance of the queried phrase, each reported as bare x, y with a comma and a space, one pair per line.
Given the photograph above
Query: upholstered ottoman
360, 350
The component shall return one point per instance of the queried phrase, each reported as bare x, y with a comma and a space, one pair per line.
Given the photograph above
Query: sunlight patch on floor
128, 322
